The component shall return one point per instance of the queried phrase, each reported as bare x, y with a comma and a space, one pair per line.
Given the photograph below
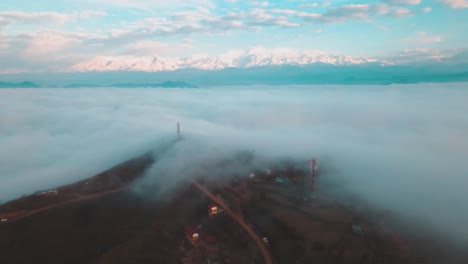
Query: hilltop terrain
268, 217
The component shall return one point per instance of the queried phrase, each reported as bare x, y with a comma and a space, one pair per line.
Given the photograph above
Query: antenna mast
313, 174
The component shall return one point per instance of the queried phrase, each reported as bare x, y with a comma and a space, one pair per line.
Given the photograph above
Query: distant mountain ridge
261, 57
233, 59
18, 85
318, 73
166, 84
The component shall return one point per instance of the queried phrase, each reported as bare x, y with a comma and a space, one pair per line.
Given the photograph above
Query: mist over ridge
400, 147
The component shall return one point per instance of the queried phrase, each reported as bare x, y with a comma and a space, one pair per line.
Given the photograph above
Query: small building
282, 180
256, 177
192, 235
213, 210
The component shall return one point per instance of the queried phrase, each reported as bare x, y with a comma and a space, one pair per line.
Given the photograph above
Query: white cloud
405, 12
314, 5
356, 12
401, 12
192, 15
3, 23
347, 12
46, 50
204, 21
34, 18
49, 43
400, 148
403, 2
288, 12
427, 10
426, 38
409, 56
260, 3
151, 48
456, 4
15, 17
147, 5
92, 13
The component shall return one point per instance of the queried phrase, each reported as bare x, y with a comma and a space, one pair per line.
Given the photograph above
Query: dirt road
265, 252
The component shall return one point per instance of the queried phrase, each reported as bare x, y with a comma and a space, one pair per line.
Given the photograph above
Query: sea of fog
397, 147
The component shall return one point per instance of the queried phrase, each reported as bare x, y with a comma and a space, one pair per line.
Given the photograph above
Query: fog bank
399, 147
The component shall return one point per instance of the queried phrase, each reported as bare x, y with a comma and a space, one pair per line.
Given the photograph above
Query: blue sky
56, 35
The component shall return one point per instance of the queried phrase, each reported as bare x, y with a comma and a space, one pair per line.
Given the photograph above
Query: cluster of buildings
304, 178
204, 236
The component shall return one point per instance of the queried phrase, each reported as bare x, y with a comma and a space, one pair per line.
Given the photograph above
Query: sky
68, 35
399, 148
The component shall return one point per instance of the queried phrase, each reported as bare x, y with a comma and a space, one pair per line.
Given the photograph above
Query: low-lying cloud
399, 147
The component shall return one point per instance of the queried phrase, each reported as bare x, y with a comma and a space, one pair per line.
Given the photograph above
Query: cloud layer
399, 147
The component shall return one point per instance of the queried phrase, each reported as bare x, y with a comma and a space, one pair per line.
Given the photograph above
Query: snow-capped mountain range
233, 59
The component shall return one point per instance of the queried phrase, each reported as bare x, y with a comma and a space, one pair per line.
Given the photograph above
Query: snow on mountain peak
253, 57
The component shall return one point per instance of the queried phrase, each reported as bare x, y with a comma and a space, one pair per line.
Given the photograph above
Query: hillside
110, 223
